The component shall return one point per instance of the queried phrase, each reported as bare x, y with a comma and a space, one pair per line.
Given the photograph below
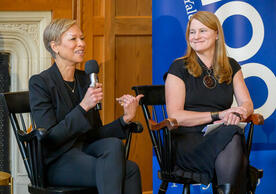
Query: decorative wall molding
21, 36
30, 29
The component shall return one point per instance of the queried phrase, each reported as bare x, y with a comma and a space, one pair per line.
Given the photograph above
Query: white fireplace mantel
21, 36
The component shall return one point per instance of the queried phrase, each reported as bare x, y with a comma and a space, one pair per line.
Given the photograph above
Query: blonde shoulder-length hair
221, 66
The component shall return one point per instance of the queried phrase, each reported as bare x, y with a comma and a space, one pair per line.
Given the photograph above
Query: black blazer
52, 109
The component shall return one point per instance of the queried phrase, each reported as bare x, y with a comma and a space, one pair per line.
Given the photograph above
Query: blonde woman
199, 91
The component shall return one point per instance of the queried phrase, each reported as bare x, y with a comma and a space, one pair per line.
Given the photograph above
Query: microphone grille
91, 66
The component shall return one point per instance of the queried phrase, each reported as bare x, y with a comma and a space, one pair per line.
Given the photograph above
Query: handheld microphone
92, 69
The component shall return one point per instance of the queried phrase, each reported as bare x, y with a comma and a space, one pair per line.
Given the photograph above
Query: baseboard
147, 192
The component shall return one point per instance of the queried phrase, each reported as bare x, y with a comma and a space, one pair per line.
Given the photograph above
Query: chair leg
186, 189
163, 187
11, 187
214, 188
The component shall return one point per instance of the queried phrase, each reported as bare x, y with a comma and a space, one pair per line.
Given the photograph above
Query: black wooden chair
160, 127
17, 103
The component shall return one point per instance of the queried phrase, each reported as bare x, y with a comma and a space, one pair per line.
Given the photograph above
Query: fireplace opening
4, 123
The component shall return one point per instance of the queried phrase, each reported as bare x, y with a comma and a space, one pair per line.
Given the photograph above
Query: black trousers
101, 164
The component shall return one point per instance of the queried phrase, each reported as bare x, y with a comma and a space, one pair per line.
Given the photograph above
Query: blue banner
249, 28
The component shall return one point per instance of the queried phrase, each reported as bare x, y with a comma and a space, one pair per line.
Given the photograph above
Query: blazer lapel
59, 83
83, 83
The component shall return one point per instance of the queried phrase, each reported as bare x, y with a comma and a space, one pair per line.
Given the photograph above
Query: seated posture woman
79, 150
199, 90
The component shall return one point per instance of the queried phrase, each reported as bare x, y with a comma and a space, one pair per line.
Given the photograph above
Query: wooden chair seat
6, 180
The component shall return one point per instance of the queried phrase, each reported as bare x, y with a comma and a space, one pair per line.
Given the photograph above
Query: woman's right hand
92, 97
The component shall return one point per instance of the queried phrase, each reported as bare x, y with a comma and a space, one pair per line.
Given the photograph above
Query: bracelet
215, 116
237, 114
123, 123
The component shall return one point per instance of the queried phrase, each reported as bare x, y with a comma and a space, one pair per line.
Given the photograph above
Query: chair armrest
38, 134
135, 127
256, 119
170, 123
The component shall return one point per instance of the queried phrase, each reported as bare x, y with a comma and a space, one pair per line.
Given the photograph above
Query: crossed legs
100, 164
231, 163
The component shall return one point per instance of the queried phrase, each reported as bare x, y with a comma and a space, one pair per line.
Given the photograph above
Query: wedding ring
237, 114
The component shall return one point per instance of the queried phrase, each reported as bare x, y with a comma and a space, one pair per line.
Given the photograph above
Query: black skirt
195, 154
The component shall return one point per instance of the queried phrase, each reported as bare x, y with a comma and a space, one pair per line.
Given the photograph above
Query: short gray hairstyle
54, 31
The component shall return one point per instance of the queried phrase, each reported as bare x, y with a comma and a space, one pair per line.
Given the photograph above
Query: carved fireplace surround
21, 36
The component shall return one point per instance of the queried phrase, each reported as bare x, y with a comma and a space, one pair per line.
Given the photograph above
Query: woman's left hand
130, 104
234, 115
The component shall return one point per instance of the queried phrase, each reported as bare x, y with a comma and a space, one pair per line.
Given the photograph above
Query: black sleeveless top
198, 97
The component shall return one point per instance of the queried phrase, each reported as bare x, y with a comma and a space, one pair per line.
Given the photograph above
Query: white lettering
189, 1
189, 17
190, 13
190, 7
207, 2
